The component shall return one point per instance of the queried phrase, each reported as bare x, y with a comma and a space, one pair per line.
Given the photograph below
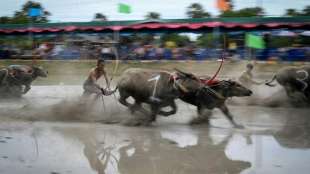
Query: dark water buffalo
155, 87
206, 102
295, 81
15, 80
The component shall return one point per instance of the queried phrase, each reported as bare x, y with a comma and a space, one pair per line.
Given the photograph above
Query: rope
217, 72
104, 108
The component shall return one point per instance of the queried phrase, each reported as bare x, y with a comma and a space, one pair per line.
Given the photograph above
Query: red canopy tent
251, 23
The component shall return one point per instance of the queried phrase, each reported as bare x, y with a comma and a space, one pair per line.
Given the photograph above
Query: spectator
107, 52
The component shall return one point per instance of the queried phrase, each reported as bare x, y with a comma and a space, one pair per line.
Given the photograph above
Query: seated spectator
107, 52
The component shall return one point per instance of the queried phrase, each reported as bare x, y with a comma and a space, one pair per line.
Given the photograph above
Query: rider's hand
102, 90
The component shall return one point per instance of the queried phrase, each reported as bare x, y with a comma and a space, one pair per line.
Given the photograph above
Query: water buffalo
206, 102
295, 81
155, 87
16, 79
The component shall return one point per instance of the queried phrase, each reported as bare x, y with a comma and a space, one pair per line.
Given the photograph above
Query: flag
223, 5
254, 41
33, 12
124, 8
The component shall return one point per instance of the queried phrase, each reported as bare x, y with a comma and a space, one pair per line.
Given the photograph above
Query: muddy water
34, 139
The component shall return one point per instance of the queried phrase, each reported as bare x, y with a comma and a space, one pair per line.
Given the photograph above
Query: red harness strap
213, 81
209, 82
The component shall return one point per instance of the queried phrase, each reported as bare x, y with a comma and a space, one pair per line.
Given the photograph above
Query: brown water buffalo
155, 87
16, 79
206, 102
295, 81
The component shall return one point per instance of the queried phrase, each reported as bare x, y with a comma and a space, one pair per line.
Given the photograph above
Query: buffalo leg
27, 88
203, 116
297, 98
133, 107
123, 98
173, 111
229, 116
138, 107
154, 112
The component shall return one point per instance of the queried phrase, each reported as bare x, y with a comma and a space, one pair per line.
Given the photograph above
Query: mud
59, 133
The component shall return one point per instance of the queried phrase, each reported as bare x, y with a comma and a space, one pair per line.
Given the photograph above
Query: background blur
169, 30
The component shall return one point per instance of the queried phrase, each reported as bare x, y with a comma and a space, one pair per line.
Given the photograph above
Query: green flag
124, 8
254, 41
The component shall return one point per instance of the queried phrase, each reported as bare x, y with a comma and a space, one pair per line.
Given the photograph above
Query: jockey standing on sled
246, 78
91, 86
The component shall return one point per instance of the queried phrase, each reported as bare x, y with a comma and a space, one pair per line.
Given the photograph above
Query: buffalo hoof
199, 120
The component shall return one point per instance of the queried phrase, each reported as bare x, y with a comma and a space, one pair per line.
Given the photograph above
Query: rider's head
100, 63
250, 66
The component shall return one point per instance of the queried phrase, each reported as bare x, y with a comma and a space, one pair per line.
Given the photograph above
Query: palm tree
152, 15
196, 10
291, 12
100, 17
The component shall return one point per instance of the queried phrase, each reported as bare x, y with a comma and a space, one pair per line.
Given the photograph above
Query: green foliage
245, 12
180, 40
205, 40
196, 10
277, 42
21, 17
306, 11
293, 12
100, 17
152, 15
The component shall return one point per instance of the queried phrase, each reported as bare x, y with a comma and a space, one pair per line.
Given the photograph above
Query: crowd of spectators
152, 51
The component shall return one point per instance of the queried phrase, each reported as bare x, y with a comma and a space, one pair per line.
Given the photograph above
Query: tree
245, 12
180, 40
196, 10
22, 15
205, 40
306, 11
291, 12
100, 17
152, 15
5, 20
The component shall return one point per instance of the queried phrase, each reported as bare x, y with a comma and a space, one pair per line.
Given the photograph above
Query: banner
124, 8
223, 5
254, 41
33, 12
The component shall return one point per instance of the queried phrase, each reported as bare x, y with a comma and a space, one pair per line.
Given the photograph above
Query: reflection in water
295, 132
181, 136
81, 148
155, 150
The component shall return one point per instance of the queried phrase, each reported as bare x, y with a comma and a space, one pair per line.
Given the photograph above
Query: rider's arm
255, 82
250, 79
106, 79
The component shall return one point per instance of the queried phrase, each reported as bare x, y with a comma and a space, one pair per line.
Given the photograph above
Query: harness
174, 77
209, 82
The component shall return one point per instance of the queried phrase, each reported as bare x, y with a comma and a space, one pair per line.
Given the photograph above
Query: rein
209, 82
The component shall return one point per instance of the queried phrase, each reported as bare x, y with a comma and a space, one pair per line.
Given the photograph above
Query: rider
91, 86
246, 77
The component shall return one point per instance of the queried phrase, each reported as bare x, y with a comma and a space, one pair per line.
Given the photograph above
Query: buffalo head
235, 89
39, 71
